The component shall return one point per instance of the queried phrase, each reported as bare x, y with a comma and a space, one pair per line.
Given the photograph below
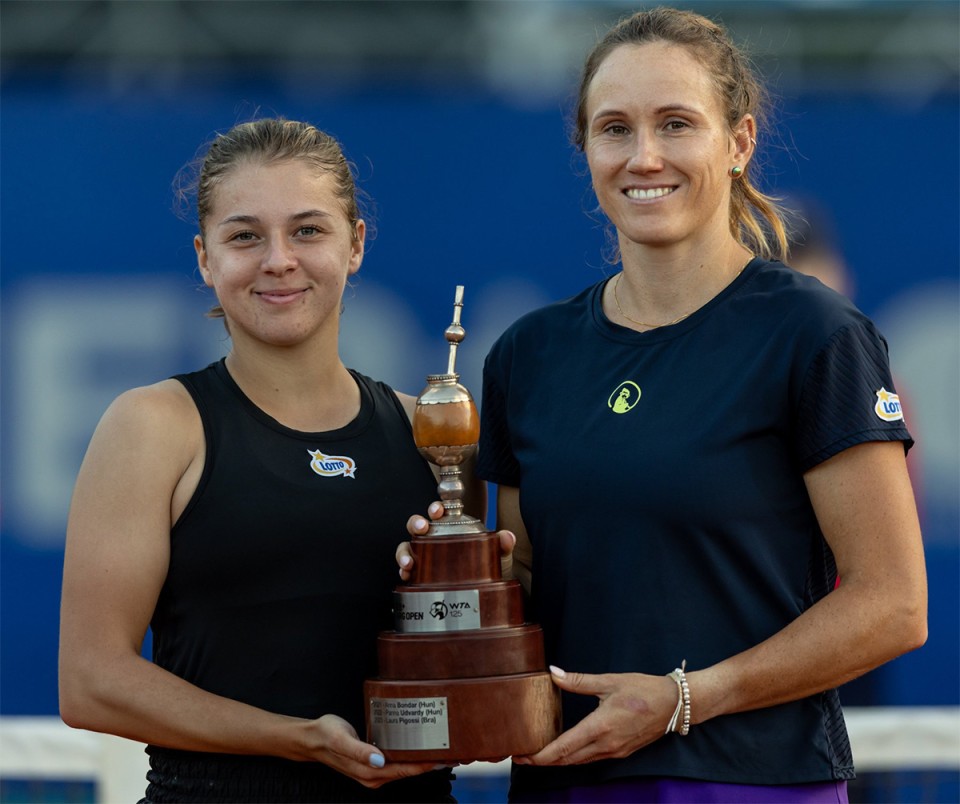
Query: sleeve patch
888, 406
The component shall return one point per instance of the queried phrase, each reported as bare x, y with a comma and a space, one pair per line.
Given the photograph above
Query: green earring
736, 171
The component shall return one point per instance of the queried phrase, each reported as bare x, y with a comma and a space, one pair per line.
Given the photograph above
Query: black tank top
282, 564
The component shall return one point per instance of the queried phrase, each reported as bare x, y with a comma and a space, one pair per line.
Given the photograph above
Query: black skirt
200, 778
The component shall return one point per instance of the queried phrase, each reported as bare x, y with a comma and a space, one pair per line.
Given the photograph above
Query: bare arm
140, 470
864, 503
509, 518
865, 506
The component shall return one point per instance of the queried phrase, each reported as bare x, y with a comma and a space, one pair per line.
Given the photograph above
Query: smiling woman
312, 154
686, 575
660, 152
277, 249
712, 81
237, 509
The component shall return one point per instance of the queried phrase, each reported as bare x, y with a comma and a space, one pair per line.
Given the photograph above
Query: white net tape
883, 739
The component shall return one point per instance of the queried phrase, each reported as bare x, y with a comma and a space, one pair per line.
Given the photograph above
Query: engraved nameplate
436, 611
409, 724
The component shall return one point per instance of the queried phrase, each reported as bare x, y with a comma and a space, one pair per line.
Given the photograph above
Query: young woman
689, 452
248, 513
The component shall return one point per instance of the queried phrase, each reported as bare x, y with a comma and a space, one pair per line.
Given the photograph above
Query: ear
202, 260
357, 247
744, 140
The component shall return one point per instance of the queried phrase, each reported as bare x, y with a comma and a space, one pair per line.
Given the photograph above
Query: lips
281, 295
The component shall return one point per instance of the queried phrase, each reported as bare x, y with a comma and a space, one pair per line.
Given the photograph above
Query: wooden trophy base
462, 677
462, 720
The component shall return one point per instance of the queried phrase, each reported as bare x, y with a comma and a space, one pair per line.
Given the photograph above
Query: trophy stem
451, 489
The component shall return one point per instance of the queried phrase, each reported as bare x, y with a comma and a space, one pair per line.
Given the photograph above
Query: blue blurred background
455, 114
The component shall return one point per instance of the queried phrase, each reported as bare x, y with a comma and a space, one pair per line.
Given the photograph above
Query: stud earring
736, 172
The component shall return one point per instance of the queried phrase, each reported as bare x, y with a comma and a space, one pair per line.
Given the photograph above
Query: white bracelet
683, 702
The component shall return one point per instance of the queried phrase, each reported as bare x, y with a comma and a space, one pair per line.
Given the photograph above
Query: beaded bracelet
683, 702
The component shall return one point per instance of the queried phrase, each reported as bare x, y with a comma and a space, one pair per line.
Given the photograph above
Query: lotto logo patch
888, 406
332, 465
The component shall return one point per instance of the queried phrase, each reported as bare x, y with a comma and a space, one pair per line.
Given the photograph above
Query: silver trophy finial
455, 333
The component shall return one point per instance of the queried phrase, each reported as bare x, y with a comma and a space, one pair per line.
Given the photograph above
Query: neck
298, 387
660, 286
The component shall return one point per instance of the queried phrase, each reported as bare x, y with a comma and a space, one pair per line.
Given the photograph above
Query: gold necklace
616, 299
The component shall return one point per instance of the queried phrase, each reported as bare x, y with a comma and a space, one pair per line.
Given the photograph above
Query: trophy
463, 675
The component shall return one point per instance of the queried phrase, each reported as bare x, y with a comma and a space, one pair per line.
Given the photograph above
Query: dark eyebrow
665, 109
309, 213
678, 107
239, 219
607, 113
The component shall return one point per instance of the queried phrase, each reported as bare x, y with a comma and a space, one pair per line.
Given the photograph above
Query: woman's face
277, 250
658, 146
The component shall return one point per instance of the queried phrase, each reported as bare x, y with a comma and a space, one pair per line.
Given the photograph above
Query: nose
279, 257
645, 154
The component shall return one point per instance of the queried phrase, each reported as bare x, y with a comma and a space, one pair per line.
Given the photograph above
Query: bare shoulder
155, 428
141, 468
167, 397
152, 409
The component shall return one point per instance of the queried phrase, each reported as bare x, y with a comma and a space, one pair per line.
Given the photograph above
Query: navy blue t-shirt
661, 483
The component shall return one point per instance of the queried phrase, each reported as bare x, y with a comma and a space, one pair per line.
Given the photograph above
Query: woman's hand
417, 526
338, 746
634, 711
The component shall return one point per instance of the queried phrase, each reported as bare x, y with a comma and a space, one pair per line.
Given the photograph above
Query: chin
652, 239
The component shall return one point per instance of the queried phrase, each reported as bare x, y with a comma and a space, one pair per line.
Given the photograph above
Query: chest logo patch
624, 397
332, 465
888, 406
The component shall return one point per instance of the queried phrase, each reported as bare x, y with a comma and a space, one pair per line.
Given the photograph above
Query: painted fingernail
558, 672
377, 761
419, 523
405, 561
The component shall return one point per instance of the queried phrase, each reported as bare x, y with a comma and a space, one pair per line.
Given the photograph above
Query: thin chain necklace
616, 299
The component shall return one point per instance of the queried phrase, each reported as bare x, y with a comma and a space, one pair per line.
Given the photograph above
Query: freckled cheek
605, 164
604, 182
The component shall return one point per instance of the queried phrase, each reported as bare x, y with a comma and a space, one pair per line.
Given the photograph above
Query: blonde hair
756, 219
266, 140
